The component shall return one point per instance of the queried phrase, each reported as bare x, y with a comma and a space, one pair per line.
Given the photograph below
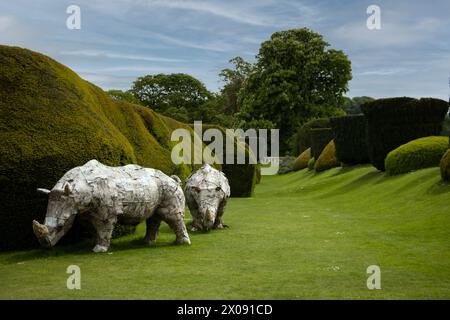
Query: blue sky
122, 39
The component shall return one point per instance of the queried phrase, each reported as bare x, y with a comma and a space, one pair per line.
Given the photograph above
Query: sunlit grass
302, 236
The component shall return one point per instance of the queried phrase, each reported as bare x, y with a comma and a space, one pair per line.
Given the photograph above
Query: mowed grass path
303, 236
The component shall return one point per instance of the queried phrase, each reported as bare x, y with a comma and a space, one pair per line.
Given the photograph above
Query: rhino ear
67, 190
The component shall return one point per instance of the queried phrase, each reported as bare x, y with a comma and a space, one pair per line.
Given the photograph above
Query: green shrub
350, 138
302, 160
396, 121
303, 136
319, 140
51, 120
327, 158
258, 174
417, 154
445, 166
242, 177
311, 163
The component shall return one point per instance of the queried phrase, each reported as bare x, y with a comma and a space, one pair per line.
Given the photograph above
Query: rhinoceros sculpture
207, 191
106, 195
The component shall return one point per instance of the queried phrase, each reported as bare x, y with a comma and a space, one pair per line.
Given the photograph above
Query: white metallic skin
207, 191
106, 195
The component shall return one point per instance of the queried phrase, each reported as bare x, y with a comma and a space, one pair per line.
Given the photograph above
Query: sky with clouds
121, 40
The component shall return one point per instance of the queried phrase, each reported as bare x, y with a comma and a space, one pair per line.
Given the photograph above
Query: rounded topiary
417, 154
302, 160
327, 158
311, 163
51, 120
445, 166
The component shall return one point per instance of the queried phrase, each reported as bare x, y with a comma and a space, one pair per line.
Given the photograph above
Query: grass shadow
353, 185
439, 188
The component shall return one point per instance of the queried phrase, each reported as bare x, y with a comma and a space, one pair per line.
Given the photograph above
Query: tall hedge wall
396, 121
304, 136
319, 140
350, 138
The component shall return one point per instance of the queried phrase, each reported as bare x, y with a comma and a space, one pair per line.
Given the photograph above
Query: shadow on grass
438, 188
369, 177
84, 247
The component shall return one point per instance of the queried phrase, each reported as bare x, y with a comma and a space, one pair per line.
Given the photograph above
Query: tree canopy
178, 95
296, 77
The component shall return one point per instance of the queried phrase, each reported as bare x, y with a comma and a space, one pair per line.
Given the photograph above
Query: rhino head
58, 219
208, 198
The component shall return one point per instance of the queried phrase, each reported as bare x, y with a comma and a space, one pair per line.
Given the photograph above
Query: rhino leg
104, 224
218, 223
196, 222
153, 224
176, 223
178, 226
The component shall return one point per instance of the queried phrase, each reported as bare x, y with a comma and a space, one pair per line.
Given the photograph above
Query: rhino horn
40, 230
42, 190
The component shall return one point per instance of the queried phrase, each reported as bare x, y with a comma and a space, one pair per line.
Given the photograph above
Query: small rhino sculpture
207, 191
106, 195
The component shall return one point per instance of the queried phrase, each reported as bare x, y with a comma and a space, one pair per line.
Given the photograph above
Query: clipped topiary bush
51, 120
311, 163
319, 140
303, 134
417, 154
327, 158
396, 121
302, 160
445, 166
350, 139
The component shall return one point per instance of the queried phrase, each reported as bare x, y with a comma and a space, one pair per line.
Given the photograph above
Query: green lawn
303, 236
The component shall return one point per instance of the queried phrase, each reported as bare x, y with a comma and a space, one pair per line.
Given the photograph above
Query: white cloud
113, 55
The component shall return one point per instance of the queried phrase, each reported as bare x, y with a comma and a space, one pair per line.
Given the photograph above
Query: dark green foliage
417, 154
303, 136
396, 121
242, 177
51, 120
445, 166
319, 140
352, 106
258, 174
311, 163
446, 126
177, 95
234, 80
297, 76
350, 138
126, 96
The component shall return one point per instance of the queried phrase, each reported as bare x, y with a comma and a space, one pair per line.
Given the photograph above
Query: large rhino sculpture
106, 195
207, 191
